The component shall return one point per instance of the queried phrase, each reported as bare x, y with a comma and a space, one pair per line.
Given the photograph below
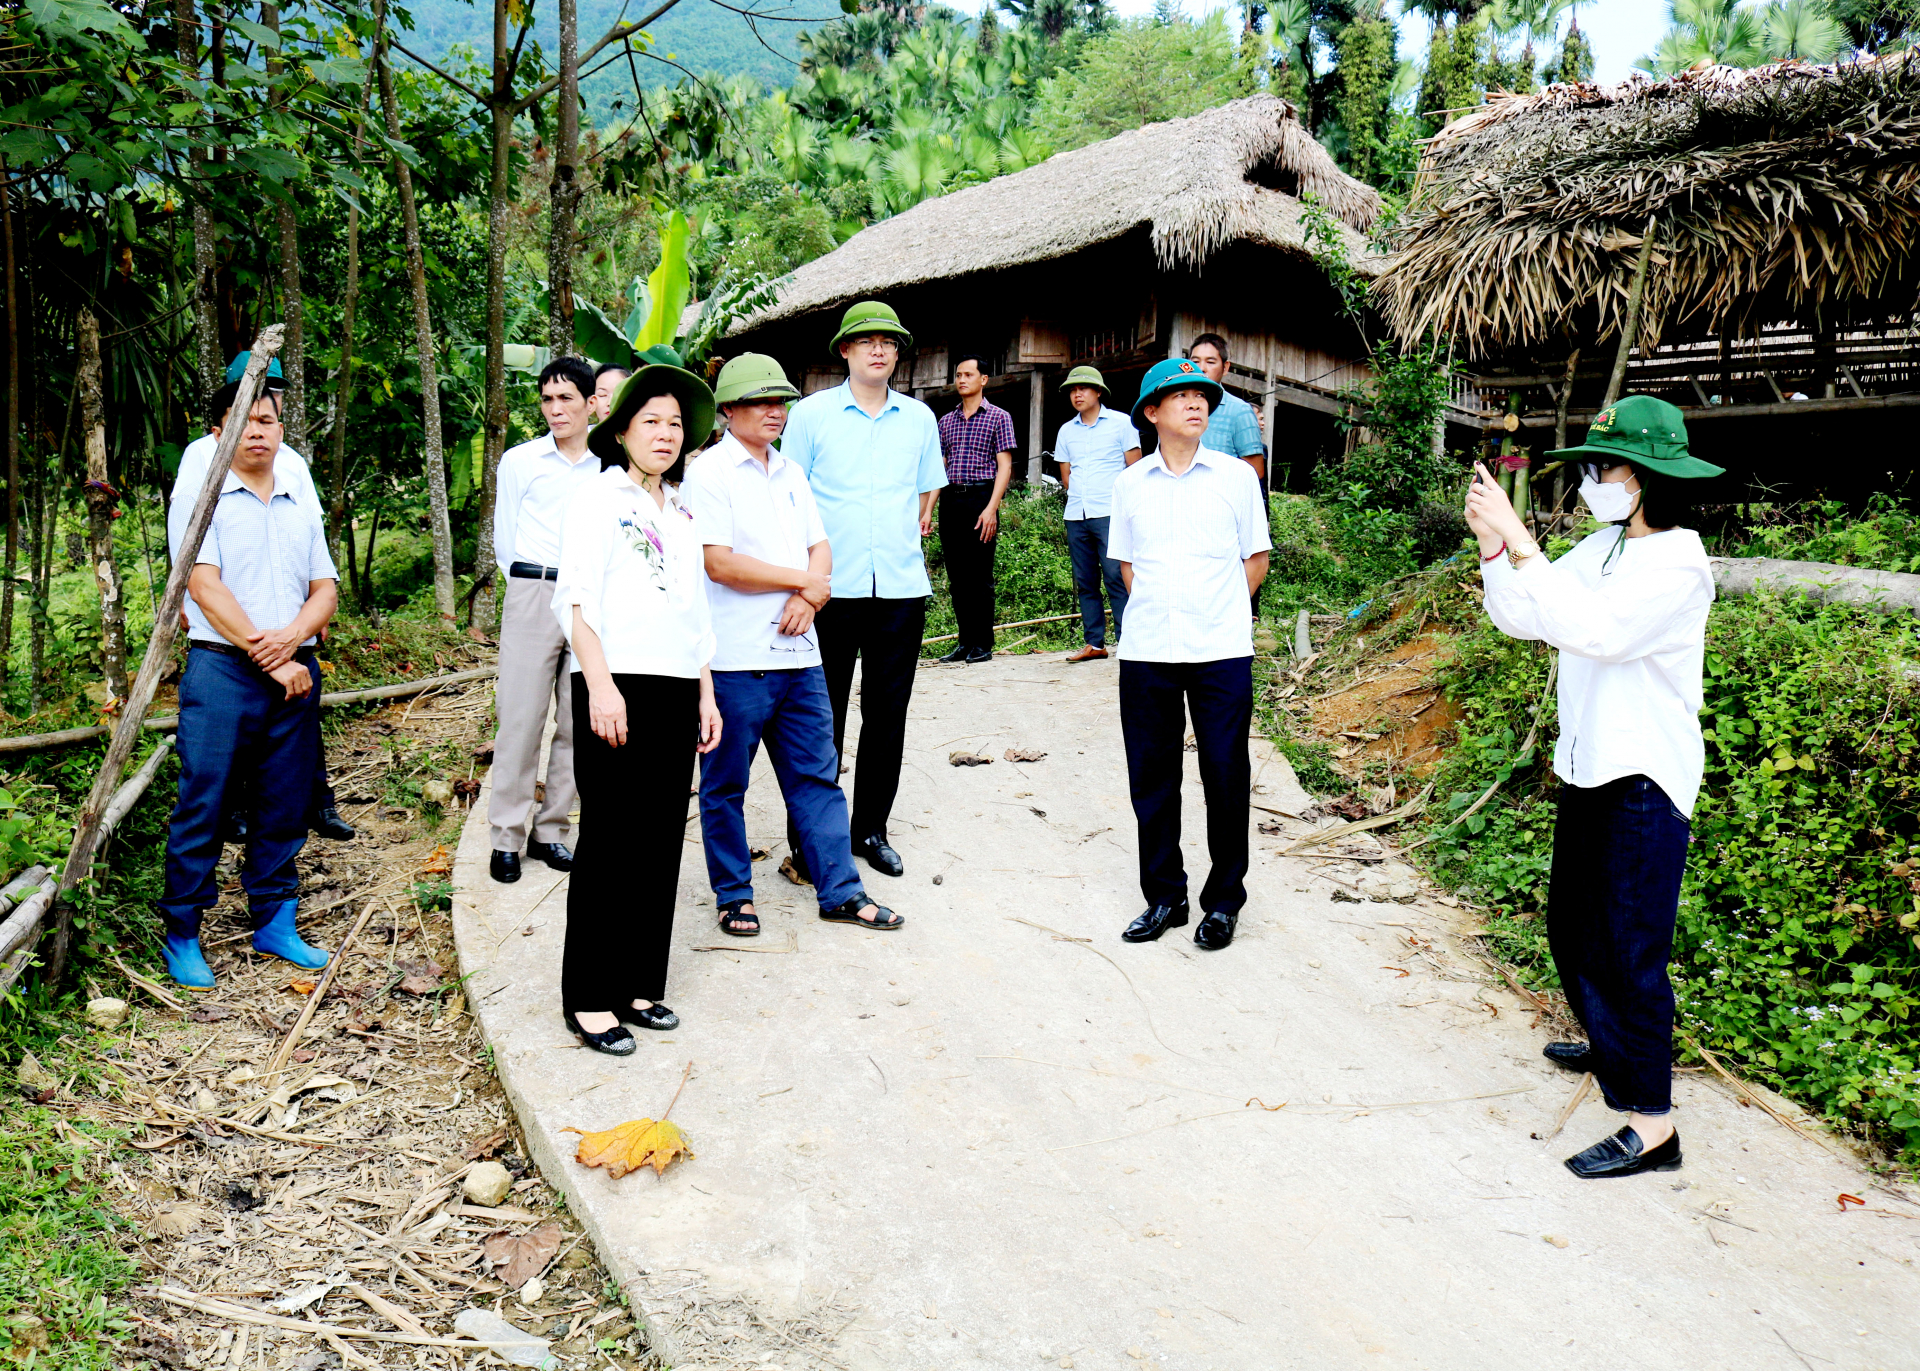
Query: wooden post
1036, 417
166, 626
1566, 398
1630, 326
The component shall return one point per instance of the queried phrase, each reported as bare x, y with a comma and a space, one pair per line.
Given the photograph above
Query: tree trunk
349, 308
366, 567
101, 500
563, 192
13, 432
486, 606
1630, 326
444, 601
348, 539
206, 326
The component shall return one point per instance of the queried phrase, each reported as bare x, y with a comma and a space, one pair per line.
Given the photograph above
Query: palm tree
1803, 29
1721, 32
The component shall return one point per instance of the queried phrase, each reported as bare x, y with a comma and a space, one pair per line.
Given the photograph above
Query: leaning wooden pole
166, 625
1630, 326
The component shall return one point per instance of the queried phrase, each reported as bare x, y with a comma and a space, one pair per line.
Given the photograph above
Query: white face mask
1610, 501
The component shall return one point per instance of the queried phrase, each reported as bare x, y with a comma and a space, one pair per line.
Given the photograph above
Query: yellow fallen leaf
439, 862
632, 1145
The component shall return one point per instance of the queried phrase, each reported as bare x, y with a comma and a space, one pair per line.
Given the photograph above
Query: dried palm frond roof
1201, 183
1786, 192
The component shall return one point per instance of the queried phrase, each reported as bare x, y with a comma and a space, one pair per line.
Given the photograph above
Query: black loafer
504, 867
615, 1042
1622, 1155
556, 855
979, 655
957, 657
328, 824
1573, 1056
655, 1016
1156, 921
880, 857
1216, 930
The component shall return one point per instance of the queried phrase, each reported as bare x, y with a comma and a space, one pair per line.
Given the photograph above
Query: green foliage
1364, 52
1033, 572
1454, 74
1140, 72
1885, 537
1796, 946
1746, 35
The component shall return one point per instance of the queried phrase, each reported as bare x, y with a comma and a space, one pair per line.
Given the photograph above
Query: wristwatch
1516, 554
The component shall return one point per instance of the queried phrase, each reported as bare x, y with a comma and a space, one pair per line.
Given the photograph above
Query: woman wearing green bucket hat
631, 597
1627, 608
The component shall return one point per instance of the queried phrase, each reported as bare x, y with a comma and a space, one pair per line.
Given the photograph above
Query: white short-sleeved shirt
1187, 537
289, 469
637, 572
268, 552
765, 512
536, 485
1095, 454
1629, 616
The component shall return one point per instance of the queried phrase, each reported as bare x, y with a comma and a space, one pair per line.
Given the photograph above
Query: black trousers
969, 561
1619, 852
1155, 698
885, 636
627, 849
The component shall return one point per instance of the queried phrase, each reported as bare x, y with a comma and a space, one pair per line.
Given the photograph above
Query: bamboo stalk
1630, 326
241, 1314
1024, 623
281, 1057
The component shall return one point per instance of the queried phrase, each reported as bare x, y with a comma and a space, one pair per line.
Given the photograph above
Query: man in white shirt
768, 573
1093, 448
537, 480
1190, 533
290, 470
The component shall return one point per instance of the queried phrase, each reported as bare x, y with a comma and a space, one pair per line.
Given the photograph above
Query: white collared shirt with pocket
636, 570
767, 513
1629, 616
536, 484
1188, 538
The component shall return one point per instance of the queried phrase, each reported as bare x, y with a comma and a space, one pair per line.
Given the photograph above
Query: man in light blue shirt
1093, 448
1233, 428
872, 456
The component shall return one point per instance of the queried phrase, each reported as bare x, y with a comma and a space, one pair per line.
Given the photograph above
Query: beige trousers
533, 679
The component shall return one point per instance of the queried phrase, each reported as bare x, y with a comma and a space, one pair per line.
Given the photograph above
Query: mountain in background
698, 35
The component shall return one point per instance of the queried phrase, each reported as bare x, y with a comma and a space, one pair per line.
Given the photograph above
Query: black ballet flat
655, 1016
615, 1042
1623, 1154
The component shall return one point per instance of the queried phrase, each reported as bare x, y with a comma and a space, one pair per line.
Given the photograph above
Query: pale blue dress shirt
867, 476
1097, 452
267, 551
1234, 428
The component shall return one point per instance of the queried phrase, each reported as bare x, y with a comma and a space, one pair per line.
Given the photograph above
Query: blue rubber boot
276, 938
186, 963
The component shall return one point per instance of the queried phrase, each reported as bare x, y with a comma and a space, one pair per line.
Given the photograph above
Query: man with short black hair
261, 588
606, 384
537, 480
976, 438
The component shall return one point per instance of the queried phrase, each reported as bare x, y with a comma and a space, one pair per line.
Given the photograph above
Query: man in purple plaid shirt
977, 441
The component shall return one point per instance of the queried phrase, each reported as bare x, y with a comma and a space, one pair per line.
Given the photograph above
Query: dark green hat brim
696, 410
773, 392
1202, 383
1681, 465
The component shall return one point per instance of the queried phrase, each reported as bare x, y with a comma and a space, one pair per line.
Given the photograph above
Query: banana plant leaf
599, 337
670, 285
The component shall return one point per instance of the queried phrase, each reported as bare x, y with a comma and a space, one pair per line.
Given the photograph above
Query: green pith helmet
1643, 430
752, 376
1086, 376
655, 378
869, 316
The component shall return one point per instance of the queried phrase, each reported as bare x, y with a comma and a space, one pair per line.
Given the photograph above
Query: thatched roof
1196, 181
1778, 192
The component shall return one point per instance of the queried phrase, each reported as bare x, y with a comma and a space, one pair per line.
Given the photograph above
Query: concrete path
1002, 1138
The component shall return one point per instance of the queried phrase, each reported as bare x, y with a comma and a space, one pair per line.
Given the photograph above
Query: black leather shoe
615, 1042
1573, 1056
328, 824
979, 655
1622, 1155
957, 657
1156, 921
556, 855
1216, 930
504, 867
880, 856
655, 1016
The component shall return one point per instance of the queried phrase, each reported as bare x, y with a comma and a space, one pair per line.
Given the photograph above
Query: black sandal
849, 913
732, 912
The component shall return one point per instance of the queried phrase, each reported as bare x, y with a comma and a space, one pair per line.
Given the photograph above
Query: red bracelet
1495, 553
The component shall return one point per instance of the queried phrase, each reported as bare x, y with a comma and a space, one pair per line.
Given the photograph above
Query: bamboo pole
1630, 327
88, 830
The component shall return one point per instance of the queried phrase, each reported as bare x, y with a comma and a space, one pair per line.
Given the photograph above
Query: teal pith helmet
1163, 378
869, 316
238, 366
752, 376
1086, 376
1646, 431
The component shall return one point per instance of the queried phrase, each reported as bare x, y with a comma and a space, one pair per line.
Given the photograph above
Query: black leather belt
969, 485
301, 654
533, 571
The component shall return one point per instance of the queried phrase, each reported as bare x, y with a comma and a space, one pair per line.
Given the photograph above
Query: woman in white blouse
1627, 607
631, 598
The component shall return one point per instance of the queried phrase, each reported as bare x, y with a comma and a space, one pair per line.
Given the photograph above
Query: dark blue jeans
237, 728
1087, 544
1619, 851
1155, 698
790, 712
